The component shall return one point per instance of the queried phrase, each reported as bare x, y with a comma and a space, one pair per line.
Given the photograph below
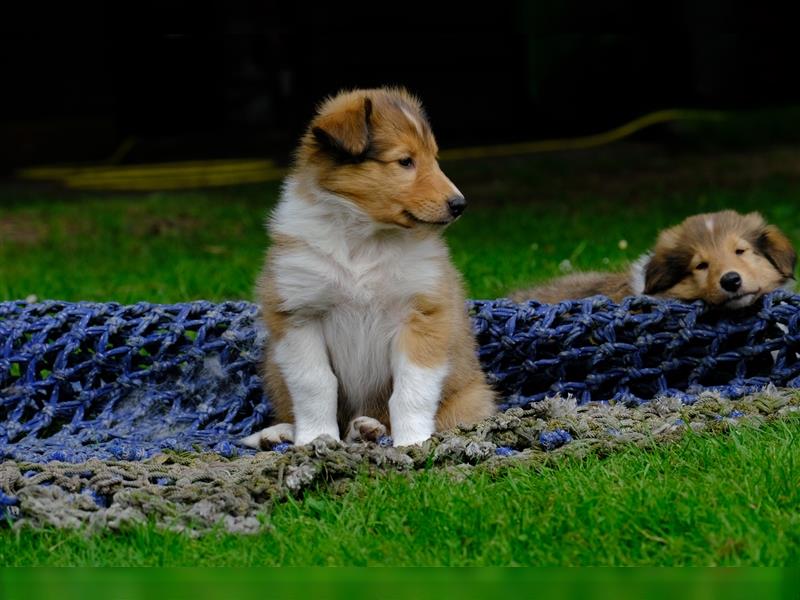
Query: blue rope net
108, 381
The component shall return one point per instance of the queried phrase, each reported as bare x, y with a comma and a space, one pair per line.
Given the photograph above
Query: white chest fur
357, 278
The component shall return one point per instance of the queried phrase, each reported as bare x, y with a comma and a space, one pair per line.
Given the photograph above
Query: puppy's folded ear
345, 133
778, 250
664, 270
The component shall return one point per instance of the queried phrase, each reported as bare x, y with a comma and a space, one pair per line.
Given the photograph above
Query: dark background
187, 81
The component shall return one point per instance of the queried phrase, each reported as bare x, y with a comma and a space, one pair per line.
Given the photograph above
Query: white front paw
412, 430
269, 437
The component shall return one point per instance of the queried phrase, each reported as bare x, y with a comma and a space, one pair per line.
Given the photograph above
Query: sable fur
357, 248
578, 285
688, 262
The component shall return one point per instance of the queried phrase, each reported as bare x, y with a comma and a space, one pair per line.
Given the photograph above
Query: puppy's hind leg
365, 429
469, 404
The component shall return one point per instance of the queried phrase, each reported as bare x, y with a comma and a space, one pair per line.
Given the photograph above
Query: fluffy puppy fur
364, 309
727, 259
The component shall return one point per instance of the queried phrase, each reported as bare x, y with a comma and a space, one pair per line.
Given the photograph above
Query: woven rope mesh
107, 381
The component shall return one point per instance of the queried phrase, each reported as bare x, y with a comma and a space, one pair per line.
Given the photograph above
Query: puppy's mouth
741, 299
411, 216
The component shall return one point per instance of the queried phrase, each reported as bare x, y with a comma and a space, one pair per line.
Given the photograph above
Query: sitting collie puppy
364, 310
727, 259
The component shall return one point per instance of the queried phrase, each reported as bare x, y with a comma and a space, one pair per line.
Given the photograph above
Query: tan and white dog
727, 259
368, 331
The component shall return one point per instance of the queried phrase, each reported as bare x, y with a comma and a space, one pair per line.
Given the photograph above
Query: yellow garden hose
578, 143
214, 173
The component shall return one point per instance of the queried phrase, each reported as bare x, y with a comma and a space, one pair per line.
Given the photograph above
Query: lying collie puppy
365, 312
727, 259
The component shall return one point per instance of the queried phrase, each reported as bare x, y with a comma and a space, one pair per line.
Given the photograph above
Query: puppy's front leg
302, 357
419, 368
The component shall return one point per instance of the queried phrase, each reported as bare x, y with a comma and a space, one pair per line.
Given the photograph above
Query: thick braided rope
107, 381
199, 492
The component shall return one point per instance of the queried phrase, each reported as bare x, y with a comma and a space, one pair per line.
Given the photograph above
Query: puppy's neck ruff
345, 256
328, 221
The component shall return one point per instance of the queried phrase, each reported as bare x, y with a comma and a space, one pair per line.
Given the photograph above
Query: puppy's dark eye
406, 162
740, 251
701, 266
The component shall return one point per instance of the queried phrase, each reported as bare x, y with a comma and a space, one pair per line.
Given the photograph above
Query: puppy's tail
576, 286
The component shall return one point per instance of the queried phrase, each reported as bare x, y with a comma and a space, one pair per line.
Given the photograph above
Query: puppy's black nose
731, 281
456, 204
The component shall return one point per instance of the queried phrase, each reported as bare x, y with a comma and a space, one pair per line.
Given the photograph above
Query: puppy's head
725, 258
375, 148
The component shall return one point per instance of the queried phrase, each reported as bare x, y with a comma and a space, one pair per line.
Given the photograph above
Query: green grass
706, 500
725, 500
526, 217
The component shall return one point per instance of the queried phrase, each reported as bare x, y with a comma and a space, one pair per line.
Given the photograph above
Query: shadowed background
170, 81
